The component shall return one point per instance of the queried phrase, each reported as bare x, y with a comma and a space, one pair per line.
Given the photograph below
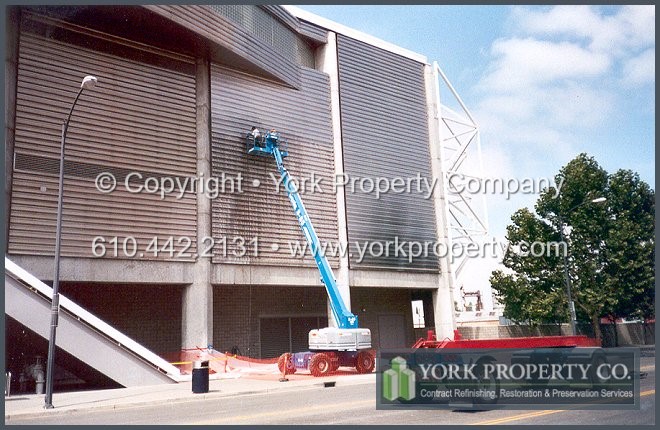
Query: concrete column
443, 301
326, 61
12, 31
197, 313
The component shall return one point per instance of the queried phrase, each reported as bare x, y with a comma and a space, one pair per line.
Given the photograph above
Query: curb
193, 397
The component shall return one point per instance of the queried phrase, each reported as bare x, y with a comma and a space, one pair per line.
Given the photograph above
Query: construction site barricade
200, 377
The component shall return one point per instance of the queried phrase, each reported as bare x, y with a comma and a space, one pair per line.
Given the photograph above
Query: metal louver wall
262, 216
385, 134
139, 118
260, 22
233, 38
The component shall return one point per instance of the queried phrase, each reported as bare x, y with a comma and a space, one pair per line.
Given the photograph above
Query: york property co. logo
398, 381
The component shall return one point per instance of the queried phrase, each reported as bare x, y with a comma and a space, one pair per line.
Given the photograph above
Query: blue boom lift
330, 347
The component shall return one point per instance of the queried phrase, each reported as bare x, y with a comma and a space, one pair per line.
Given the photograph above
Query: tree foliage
609, 249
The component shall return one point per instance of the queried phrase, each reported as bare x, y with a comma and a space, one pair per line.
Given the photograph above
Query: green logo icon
399, 381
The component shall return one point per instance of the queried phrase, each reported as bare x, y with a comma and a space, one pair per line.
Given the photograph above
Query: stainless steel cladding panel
140, 118
256, 224
385, 135
227, 34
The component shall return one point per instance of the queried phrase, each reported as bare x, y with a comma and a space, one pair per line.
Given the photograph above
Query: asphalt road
340, 405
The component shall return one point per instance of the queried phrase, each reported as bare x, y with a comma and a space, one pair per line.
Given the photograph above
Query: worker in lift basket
273, 136
255, 134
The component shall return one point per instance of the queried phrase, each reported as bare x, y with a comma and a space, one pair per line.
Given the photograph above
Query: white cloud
638, 25
630, 27
578, 21
558, 106
640, 70
573, 104
520, 63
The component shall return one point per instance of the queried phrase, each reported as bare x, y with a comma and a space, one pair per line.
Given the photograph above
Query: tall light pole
87, 83
567, 278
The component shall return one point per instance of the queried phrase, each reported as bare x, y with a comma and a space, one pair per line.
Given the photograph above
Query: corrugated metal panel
204, 21
263, 25
281, 14
273, 26
139, 118
239, 101
314, 32
385, 134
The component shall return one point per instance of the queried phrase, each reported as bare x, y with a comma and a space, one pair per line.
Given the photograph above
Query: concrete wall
628, 334
490, 331
613, 335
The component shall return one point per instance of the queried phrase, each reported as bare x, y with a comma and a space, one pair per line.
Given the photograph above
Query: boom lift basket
263, 145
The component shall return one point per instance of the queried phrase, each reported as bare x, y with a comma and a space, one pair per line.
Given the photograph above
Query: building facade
215, 259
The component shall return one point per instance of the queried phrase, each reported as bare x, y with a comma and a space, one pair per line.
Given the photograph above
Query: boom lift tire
365, 362
320, 365
334, 361
282, 361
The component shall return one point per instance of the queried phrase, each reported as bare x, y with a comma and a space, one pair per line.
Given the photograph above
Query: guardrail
97, 324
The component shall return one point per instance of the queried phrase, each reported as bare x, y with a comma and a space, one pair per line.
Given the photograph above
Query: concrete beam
392, 279
107, 270
243, 274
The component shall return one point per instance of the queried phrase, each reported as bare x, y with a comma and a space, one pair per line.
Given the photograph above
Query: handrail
101, 326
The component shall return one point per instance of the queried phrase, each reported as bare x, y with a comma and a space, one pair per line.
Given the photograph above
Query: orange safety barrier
220, 362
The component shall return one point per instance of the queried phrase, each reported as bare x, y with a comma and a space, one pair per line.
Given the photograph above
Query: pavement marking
287, 412
539, 413
517, 417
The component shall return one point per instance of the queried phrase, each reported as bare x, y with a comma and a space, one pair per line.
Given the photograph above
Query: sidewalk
33, 405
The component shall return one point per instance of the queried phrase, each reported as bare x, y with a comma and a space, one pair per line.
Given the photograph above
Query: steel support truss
462, 167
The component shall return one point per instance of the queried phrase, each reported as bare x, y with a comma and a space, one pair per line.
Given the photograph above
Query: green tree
631, 245
609, 249
530, 292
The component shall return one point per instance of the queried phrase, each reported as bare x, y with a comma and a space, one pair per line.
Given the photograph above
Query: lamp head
88, 82
599, 200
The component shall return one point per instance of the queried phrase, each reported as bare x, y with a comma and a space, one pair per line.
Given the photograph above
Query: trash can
200, 377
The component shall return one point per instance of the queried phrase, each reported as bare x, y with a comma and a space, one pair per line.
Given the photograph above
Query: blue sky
544, 83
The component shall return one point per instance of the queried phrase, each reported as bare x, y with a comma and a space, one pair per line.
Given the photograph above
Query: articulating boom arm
344, 318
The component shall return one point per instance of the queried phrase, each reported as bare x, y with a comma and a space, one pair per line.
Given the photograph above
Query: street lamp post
567, 278
87, 83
